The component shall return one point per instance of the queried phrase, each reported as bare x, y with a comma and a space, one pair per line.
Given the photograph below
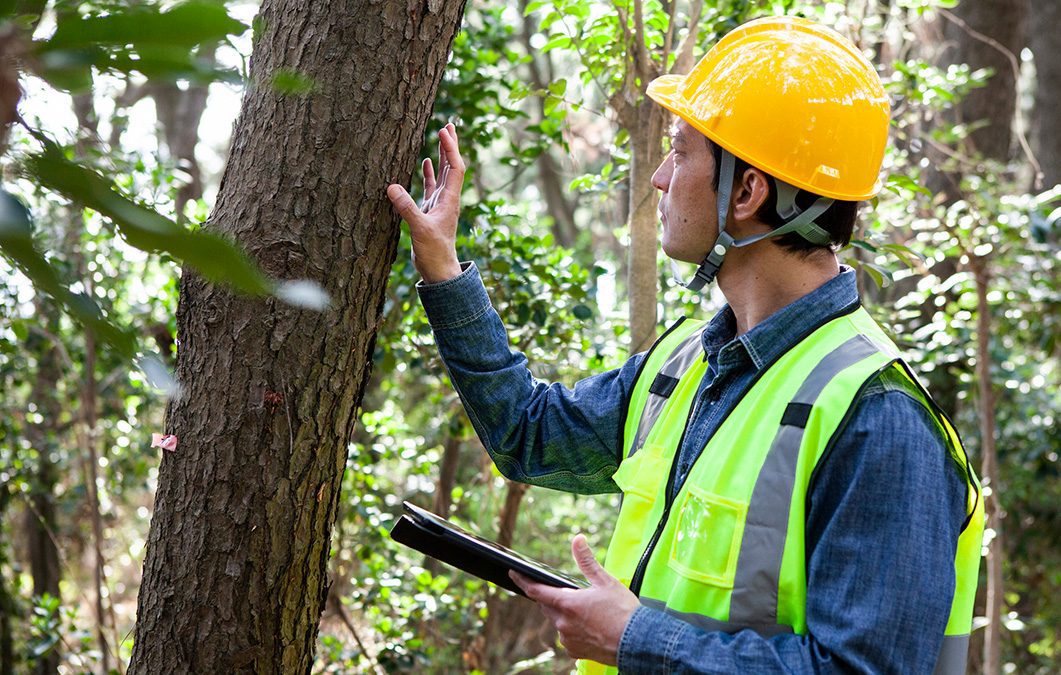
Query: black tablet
441, 539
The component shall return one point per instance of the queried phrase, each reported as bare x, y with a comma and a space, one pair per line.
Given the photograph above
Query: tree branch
668, 39
643, 66
344, 616
684, 61
1014, 63
57, 344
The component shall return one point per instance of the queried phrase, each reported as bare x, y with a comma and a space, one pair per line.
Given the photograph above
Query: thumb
403, 203
587, 562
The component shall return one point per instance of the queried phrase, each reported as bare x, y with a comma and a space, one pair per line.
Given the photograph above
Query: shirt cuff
649, 642
454, 302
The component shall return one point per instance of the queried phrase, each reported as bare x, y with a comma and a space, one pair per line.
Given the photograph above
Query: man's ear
750, 194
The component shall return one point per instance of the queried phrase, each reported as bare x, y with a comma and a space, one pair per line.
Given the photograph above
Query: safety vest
728, 552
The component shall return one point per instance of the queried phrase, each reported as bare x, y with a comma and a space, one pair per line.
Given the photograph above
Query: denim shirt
884, 510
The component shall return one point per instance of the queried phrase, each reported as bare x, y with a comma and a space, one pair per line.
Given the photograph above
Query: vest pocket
642, 479
707, 536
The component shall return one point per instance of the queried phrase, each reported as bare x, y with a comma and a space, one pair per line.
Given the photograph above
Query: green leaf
16, 242
534, 5
141, 39
215, 257
582, 312
556, 42
864, 245
17, 8
187, 24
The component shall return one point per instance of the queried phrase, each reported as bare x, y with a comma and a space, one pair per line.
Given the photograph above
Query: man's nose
661, 178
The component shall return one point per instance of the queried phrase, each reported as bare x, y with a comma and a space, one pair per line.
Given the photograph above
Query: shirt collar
773, 337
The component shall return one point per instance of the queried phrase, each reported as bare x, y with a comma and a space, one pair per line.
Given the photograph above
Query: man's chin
680, 256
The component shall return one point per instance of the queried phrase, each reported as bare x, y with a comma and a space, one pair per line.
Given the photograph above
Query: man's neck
762, 279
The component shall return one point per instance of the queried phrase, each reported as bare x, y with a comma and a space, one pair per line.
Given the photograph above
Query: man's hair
838, 220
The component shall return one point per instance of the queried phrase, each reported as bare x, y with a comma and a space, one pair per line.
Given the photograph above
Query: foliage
160, 44
94, 226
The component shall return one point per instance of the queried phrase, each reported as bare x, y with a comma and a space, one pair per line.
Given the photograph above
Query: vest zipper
642, 564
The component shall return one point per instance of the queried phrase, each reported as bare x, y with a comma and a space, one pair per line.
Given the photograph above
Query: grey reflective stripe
709, 624
952, 655
755, 584
679, 361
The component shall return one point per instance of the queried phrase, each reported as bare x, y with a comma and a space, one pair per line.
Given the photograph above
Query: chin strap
802, 223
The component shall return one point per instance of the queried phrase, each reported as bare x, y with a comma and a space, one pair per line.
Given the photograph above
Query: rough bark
235, 574
1046, 45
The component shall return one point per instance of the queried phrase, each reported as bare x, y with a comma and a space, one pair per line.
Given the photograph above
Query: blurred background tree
957, 257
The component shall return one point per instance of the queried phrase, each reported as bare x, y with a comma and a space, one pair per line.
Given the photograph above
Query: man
793, 501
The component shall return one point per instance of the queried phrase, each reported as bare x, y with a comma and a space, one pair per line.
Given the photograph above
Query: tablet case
440, 539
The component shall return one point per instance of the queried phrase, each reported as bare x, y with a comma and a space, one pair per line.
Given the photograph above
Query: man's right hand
433, 224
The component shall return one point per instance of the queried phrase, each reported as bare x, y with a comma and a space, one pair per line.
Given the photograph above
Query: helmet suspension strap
708, 269
800, 222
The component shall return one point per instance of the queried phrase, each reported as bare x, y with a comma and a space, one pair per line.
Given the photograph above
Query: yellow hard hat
792, 98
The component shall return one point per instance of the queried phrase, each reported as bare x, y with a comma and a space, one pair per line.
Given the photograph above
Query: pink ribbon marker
164, 441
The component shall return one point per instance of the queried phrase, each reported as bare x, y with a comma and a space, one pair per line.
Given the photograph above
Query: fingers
403, 203
526, 585
429, 178
442, 161
587, 562
540, 593
431, 201
448, 137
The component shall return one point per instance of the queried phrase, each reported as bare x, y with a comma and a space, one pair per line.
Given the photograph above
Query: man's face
687, 206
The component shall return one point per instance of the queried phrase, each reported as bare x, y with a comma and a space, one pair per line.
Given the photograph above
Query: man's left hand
590, 620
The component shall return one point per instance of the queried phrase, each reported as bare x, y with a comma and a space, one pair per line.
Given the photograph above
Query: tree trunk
560, 209
235, 574
984, 34
1046, 45
989, 471
447, 475
447, 478
39, 519
646, 136
88, 434
8, 605
496, 650
989, 34
179, 111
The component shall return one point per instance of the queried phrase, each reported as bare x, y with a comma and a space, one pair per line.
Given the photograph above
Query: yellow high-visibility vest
728, 552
